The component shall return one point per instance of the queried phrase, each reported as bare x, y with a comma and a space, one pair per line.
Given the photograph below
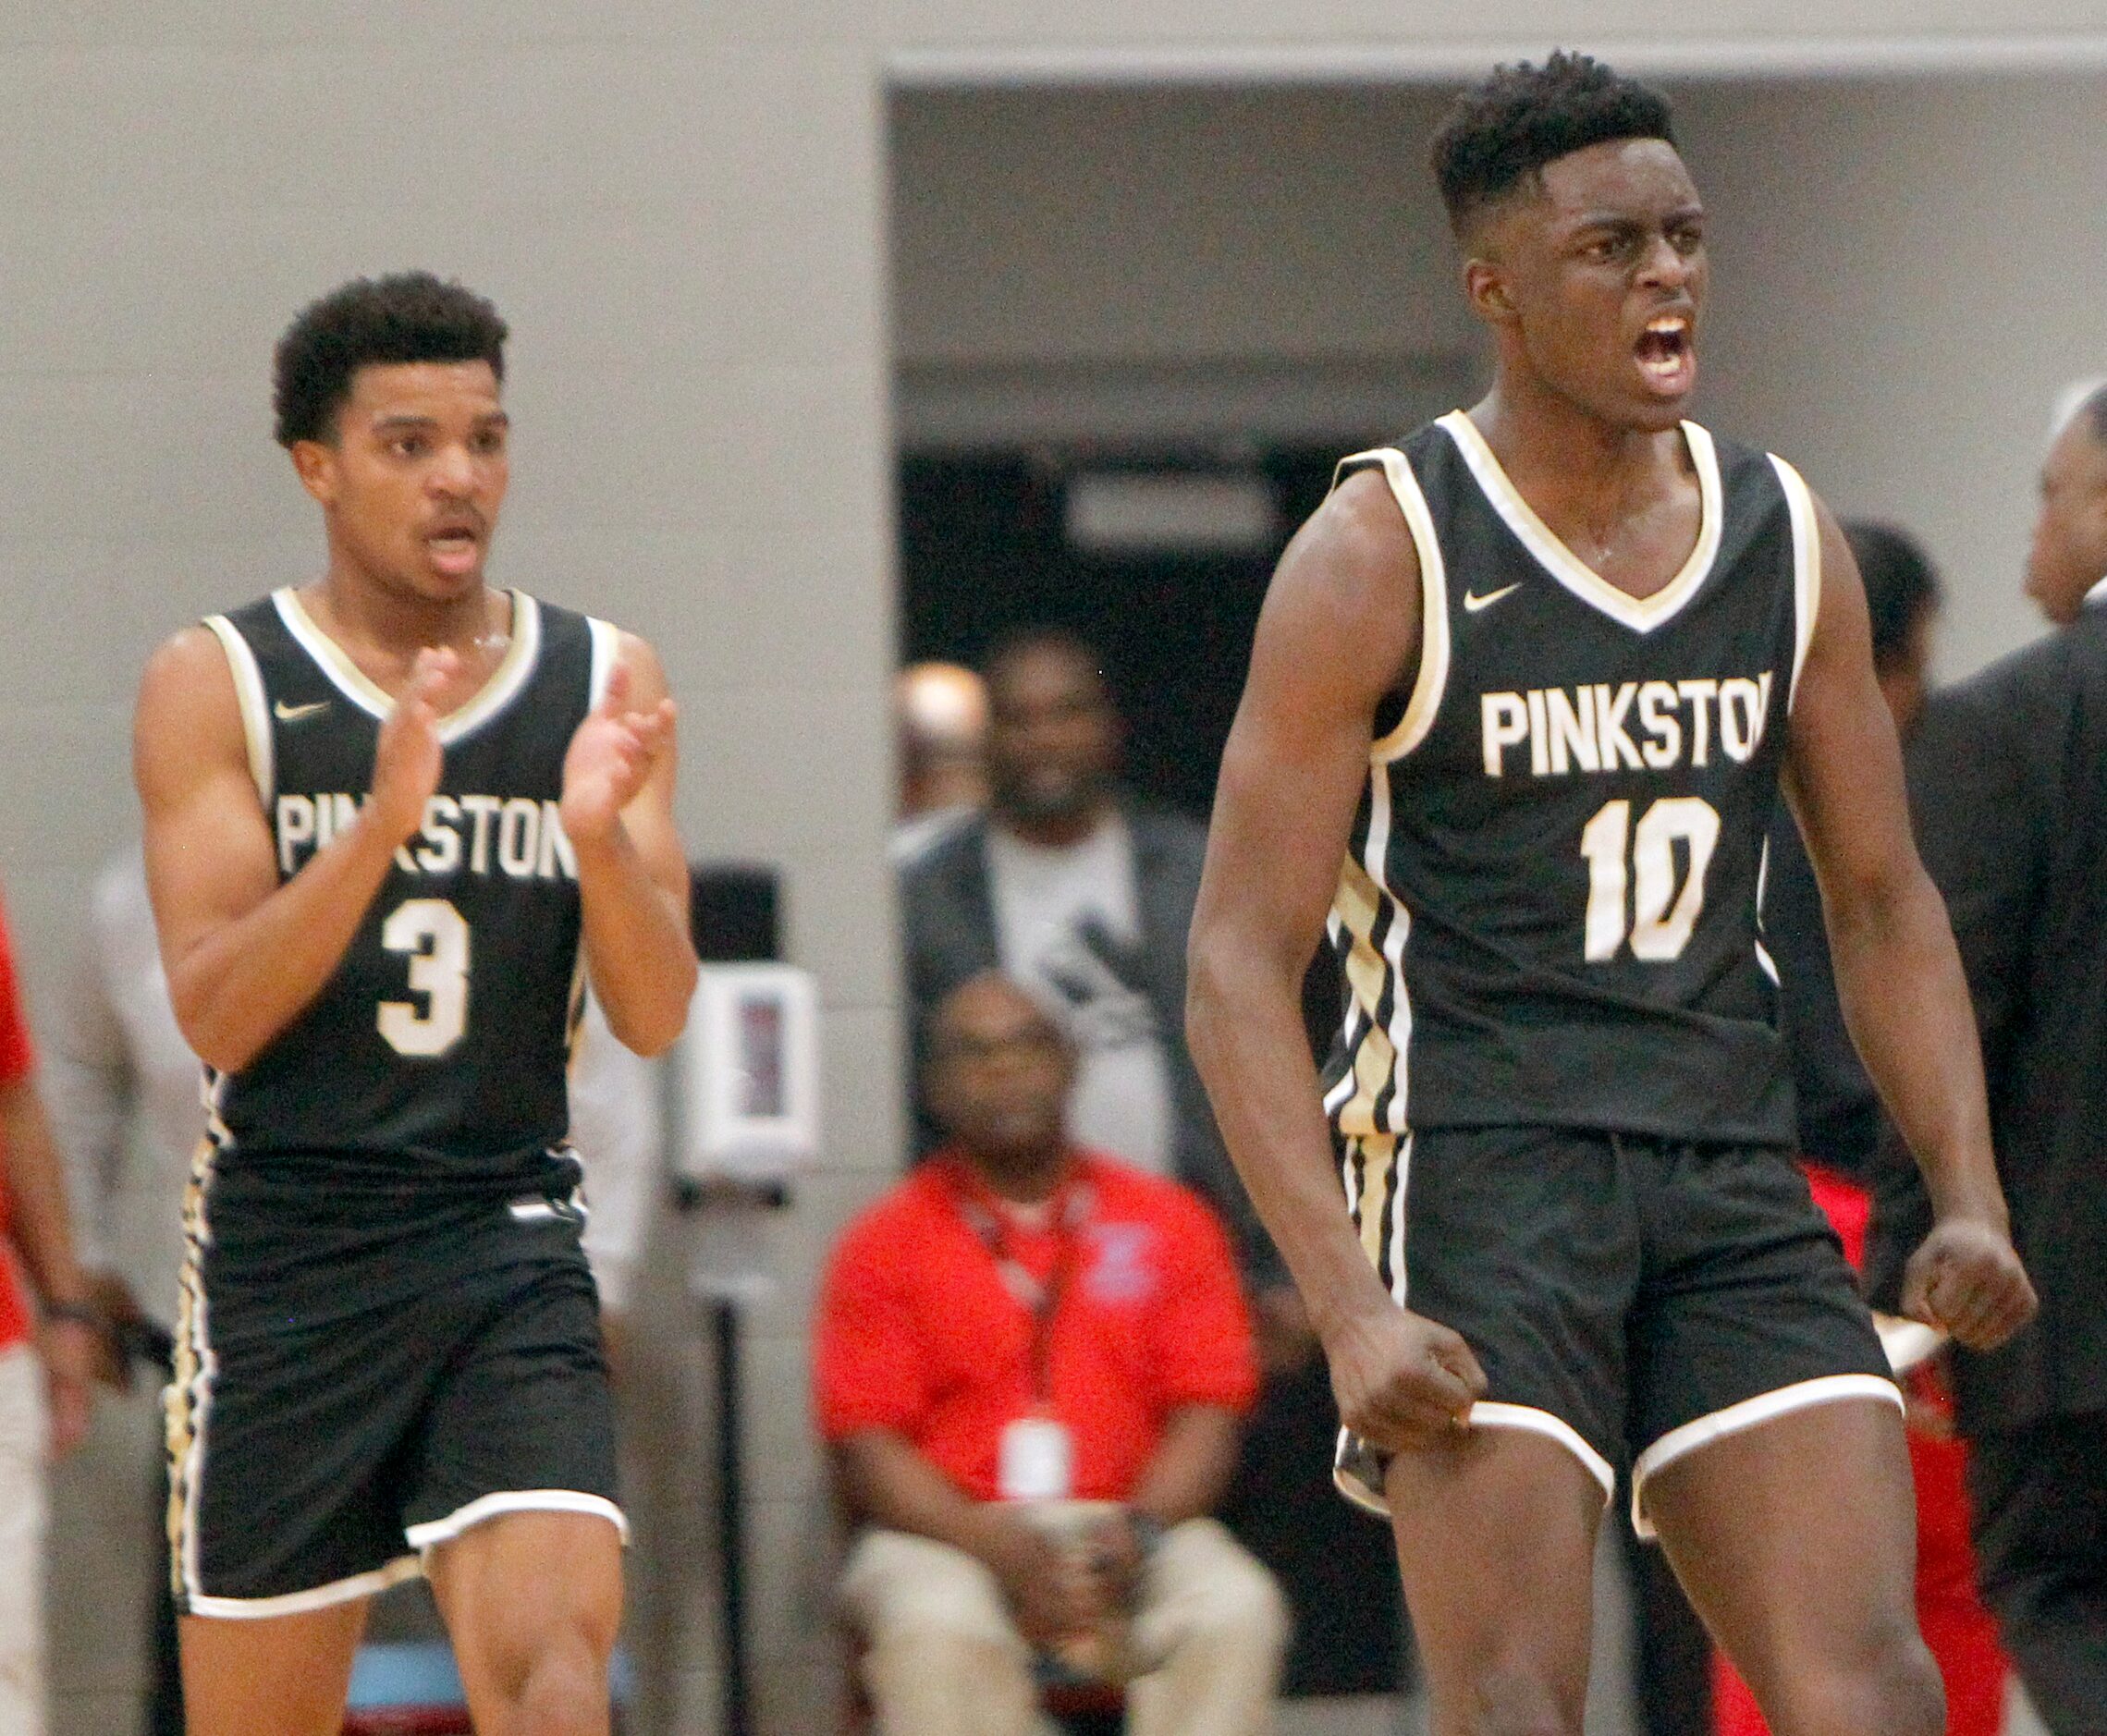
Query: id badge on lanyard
1035, 1458
1037, 1462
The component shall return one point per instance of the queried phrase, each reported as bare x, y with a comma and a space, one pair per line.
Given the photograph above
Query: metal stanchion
721, 1295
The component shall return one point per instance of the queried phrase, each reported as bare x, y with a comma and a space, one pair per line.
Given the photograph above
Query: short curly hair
1502, 132
409, 316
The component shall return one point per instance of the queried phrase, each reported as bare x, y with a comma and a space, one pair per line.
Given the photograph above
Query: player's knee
1890, 1688
552, 1676
563, 1689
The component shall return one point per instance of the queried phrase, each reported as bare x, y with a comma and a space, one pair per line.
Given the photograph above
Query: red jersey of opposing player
917, 1331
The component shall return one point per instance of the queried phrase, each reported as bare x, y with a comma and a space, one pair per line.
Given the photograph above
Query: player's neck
381, 626
1564, 459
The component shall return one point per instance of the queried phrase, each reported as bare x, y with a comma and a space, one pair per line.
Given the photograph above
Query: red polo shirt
917, 1331
17, 1060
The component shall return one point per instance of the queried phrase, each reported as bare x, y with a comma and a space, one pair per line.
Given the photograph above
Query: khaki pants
944, 1659
22, 1543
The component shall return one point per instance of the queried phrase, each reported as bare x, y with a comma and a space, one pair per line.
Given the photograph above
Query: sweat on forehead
1499, 135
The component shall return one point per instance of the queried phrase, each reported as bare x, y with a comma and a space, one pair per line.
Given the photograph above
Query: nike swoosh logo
293, 714
1474, 603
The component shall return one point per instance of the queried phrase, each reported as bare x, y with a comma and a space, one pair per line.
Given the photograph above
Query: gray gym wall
683, 211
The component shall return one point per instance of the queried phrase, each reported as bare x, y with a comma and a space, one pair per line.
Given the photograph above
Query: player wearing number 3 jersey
1521, 702
395, 821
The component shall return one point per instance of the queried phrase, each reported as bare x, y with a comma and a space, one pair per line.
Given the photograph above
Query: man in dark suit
2009, 791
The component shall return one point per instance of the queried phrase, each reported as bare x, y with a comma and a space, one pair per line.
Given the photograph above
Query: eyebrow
496, 417
1631, 220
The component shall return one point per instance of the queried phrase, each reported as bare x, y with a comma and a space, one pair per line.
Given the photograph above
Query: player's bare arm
632, 879
1898, 972
244, 954
1340, 630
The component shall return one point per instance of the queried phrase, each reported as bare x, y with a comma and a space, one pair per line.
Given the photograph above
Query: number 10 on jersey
1641, 861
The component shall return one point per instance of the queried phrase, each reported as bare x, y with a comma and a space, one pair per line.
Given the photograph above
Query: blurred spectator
126, 1107
1030, 1360
1085, 896
44, 1399
2011, 810
942, 715
127, 1110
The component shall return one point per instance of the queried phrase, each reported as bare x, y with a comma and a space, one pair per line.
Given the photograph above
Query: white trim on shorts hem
1528, 1419
437, 1531
1368, 1500
1749, 1414
1522, 1418
339, 1591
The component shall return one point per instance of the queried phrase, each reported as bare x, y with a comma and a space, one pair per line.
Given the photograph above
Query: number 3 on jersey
1661, 917
434, 937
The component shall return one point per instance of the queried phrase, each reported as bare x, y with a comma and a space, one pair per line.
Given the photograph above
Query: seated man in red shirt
1031, 1363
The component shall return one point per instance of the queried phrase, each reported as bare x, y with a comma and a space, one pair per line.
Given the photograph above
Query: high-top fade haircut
409, 316
1499, 135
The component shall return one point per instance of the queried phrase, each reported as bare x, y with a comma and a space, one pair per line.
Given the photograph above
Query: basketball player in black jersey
394, 819
1523, 696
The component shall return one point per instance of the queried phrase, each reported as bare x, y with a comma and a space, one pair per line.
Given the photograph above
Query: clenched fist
1967, 1281
1402, 1380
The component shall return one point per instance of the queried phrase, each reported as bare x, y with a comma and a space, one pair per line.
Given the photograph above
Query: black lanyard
1040, 1298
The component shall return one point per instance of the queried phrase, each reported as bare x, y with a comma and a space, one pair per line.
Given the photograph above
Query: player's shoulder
571, 638
200, 648
1349, 577
1363, 517
1742, 465
191, 667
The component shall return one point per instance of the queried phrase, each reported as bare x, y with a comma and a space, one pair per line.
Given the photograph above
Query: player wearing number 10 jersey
1523, 698
395, 820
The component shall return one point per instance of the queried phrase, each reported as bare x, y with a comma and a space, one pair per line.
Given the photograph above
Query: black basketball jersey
1550, 913
436, 1054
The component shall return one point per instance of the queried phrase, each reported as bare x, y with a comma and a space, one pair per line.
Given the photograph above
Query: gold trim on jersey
1433, 678
1376, 1061
607, 642
255, 711
1381, 1053
1806, 567
187, 1400
1642, 614
346, 678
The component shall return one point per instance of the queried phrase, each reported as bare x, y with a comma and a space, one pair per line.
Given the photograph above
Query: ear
315, 464
1487, 288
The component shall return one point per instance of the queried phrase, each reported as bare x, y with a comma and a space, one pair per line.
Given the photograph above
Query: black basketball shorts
1631, 1299
359, 1380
